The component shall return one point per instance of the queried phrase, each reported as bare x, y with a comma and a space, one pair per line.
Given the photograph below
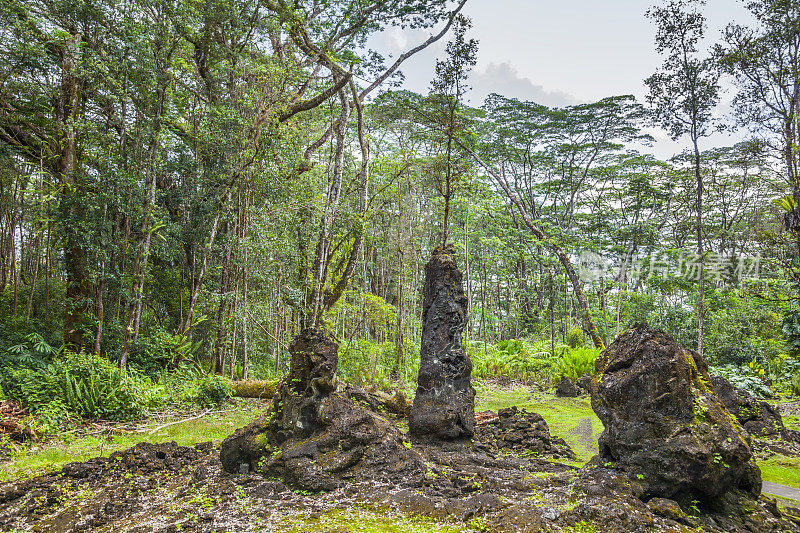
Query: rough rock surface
314, 438
585, 383
354, 445
521, 431
566, 388
300, 402
444, 405
663, 422
759, 418
465, 487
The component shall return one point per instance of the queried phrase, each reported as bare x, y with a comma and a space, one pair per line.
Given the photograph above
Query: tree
548, 162
764, 62
447, 90
683, 94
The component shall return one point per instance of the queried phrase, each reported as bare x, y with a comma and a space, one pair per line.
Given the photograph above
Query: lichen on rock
665, 424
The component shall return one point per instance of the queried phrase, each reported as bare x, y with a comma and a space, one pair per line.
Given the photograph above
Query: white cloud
504, 79
395, 39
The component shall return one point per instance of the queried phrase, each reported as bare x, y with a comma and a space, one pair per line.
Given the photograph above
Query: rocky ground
477, 486
674, 456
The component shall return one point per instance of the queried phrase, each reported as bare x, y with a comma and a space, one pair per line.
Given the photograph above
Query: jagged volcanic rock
522, 431
566, 388
759, 418
315, 438
444, 405
664, 424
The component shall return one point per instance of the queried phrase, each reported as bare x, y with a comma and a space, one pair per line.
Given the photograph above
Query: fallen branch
264, 390
201, 415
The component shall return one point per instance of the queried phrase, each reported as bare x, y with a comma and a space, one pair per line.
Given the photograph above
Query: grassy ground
569, 418
792, 422
52, 454
781, 469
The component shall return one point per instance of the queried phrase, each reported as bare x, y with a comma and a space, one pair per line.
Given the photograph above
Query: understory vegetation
185, 187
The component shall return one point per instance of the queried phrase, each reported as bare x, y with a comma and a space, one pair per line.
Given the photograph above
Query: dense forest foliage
185, 185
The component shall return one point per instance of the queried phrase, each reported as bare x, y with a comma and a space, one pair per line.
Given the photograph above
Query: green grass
563, 415
51, 455
792, 422
363, 520
782, 470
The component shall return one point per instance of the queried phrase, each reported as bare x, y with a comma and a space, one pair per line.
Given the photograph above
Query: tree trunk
398, 339
79, 288
700, 254
198, 283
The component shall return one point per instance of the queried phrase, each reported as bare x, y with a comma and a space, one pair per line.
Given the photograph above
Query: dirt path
584, 432
781, 490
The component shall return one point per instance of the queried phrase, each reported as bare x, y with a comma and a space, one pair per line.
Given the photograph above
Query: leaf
787, 203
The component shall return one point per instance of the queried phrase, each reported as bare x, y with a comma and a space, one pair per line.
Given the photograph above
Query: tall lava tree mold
444, 405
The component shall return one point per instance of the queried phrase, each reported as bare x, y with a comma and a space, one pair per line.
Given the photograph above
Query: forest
219, 211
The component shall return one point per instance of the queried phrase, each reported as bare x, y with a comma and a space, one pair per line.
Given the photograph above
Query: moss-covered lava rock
664, 424
315, 437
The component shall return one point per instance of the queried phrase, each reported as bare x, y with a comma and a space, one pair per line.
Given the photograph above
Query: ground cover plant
347, 244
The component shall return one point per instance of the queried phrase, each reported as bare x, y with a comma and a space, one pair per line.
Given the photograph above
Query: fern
575, 363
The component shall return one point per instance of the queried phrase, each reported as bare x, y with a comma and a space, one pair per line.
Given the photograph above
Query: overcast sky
558, 53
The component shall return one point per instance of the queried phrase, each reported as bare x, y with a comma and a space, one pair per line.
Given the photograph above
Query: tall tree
764, 62
447, 91
683, 94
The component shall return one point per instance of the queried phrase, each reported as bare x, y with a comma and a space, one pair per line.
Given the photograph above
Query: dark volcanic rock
312, 377
522, 431
444, 405
298, 407
566, 388
759, 418
664, 423
464, 483
585, 383
353, 445
315, 438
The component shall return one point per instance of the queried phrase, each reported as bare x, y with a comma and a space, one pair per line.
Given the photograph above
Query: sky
560, 53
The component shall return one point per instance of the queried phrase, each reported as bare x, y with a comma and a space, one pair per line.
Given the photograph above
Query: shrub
744, 378
31, 351
511, 359
32, 387
89, 386
574, 363
212, 390
188, 384
576, 338
53, 417
151, 353
791, 330
94, 387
